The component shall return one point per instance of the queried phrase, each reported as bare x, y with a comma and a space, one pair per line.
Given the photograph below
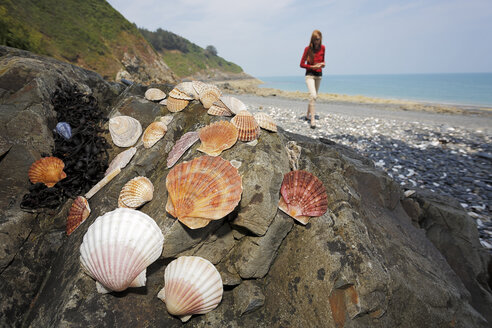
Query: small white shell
266, 122
154, 94
233, 104
125, 130
136, 192
185, 91
192, 286
121, 160
118, 247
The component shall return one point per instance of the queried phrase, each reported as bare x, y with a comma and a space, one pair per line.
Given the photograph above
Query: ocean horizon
473, 89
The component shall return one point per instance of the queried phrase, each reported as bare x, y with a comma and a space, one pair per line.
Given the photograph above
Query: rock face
362, 264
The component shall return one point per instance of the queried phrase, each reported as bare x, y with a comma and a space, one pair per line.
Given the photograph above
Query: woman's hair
312, 50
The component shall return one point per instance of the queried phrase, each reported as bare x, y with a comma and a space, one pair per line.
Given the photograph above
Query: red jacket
319, 57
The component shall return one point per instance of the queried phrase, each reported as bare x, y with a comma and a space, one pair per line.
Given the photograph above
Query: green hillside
184, 57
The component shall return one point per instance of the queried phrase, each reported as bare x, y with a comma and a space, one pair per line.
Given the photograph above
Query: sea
473, 89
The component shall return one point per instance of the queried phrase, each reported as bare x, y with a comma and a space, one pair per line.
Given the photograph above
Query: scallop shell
153, 133
64, 129
192, 286
206, 188
48, 170
187, 88
154, 94
125, 130
219, 109
233, 104
181, 146
175, 105
199, 87
209, 95
181, 91
217, 137
136, 192
246, 124
121, 160
265, 121
303, 196
79, 211
118, 247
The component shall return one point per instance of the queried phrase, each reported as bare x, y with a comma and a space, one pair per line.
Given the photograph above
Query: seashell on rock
233, 104
154, 94
247, 126
209, 95
217, 137
175, 105
187, 88
153, 133
136, 192
182, 92
199, 87
121, 160
79, 211
64, 129
266, 122
181, 146
219, 109
294, 153
118, 247
125, 130
47, 170
206, 188
302, 196
192, 285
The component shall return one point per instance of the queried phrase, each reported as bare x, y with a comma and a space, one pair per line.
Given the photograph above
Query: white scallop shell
154, 94
192, 286
136, 192
187, 88
209, 95
125, 130
233, 104
118, 247
266, 122
121, 160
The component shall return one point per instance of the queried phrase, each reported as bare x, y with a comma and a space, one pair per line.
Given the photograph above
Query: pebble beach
442, 148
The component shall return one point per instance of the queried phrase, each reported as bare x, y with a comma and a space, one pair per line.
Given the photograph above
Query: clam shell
153, 133
209, 95
125, 130
118, 247
79, 211
192, 286
175, 105
246, 124
121, 160
206, 188
47, 170
303, 196
136, 192
187, 88
154, 94
64, 129
265, 121
219, 109
233, 104
217, 137
181, 146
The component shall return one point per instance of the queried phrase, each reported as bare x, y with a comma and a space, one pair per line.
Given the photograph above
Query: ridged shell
209, 96
233, 104
125, 130
181, 146
47, 170
303, 196
192, 286
265, 121
181, 92
217, 137
175, 105
118, 247
64, 129
206, 188
154, 94
187, 88
136, 192
79, 211
199, 87
219, 109
246, 124
121, 160
153, 133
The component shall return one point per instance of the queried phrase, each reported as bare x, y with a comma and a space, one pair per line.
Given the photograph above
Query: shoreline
251, 86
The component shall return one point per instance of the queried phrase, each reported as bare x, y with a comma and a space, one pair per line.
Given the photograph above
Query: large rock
363, 263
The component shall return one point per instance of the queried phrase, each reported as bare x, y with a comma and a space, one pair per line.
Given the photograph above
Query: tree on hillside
212, 50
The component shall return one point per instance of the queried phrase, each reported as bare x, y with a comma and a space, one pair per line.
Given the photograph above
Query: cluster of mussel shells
119, 245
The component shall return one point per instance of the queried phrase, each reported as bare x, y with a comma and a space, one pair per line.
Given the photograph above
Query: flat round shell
47, 170
217, 137
136, 192
125, 130
154, 94
153, 133
246, 124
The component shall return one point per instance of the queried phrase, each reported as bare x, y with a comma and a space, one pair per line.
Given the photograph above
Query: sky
267, 38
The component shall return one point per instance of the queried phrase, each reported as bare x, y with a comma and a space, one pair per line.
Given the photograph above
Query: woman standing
313, 60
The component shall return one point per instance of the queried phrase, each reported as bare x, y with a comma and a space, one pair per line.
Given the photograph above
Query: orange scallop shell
217, 137
303, 196
204, 189
153, 133
48, 170
79, 211
136, 192
246, 124
266, 122
175, 105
